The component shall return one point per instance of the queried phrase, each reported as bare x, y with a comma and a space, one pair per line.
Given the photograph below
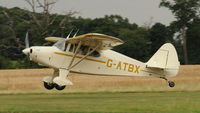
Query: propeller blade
69, 34
27, 40
76, 33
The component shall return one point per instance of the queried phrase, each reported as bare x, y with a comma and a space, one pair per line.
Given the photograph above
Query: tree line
141, 42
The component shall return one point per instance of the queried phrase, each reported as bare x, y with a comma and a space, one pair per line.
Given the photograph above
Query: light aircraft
91, 54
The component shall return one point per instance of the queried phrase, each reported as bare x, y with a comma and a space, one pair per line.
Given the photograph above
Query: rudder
165, 58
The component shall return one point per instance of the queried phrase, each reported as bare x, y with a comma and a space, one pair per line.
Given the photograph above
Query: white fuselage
108, 63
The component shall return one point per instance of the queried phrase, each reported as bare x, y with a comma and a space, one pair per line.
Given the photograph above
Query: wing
92, 40
53, 39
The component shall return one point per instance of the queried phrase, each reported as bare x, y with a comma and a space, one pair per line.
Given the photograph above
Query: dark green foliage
114, 25
194, 42
136, 43
185, 12
4, 62
140, 43
159, 34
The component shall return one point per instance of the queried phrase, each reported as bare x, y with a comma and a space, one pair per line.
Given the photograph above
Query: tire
171, 83
59, 87
49, 86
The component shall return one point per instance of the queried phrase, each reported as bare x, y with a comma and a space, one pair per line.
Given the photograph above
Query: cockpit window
83, 50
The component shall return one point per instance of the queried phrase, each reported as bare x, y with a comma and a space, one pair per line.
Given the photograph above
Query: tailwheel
171, 83
58, 87
49, 86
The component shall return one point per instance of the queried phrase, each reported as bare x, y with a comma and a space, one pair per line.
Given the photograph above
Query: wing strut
74, 56
61, 74
89, 52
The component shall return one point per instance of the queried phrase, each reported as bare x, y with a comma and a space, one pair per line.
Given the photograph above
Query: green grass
144, 102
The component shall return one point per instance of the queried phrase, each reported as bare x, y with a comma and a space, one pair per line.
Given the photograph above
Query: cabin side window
72, 48
95, 54
83, 50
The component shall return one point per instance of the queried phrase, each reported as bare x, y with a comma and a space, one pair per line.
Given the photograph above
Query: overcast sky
137, 11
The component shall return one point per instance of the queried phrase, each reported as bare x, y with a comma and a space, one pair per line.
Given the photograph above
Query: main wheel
171, 83
48, 86
59, 87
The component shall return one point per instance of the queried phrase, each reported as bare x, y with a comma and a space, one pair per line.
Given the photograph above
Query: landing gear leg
170, 83
48, 80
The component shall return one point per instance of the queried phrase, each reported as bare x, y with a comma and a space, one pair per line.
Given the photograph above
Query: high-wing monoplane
91, 54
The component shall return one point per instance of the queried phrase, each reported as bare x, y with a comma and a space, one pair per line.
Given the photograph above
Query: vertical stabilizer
165, 58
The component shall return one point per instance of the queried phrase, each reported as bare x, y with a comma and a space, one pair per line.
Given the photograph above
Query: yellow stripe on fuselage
64, 54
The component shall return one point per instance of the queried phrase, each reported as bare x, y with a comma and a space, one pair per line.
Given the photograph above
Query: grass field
143, 102
22, 91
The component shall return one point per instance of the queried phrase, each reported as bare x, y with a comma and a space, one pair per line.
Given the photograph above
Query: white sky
137, 11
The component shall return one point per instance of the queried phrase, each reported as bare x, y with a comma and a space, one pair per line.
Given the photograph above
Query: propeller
27, 40
26, 51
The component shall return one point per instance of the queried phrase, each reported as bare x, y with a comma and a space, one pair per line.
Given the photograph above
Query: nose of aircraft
26, 51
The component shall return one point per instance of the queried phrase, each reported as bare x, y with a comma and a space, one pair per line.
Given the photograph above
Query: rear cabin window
95, 54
